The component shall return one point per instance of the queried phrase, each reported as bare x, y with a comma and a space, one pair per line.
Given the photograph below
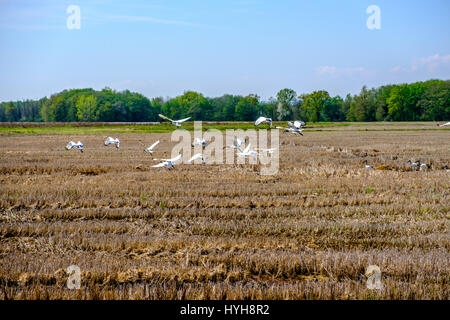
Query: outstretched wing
164, 117
298, 124
159, 165
259, 121
183, 120
70, 145
178, 157
153, 145
290, 124
239, 142
195, 157
108, 140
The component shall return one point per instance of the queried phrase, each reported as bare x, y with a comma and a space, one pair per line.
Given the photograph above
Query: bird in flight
174, 122
296, 124
168, 163
237, 143
293, 127
247, 152
78, 145
110, 140
198, 142
263, 120
150, 149
198, 156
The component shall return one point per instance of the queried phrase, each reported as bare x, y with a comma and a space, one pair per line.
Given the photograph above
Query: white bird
150, 149
111, 140
414, 164
78, 145
296, 124
198, 142
197, 156
445, 124
424, 165
295, 127
262, 120
247, 152
168, 163
174, 122
368, 166
237, 143
292, 129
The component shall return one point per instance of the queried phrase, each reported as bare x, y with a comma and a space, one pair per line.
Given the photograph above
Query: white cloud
429, 64
332, 70
432, 63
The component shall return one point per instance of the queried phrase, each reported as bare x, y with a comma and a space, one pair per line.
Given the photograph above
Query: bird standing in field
263, 120
424, 165
368, 166
174, 122
168, 163
110, 140
78, 145
414, 165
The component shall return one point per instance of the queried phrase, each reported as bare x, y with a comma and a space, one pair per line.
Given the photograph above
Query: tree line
429, 100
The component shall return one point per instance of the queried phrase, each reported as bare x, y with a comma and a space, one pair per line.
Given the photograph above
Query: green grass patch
369, 190
92, 128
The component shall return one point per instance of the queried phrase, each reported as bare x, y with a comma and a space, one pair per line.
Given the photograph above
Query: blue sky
164, 47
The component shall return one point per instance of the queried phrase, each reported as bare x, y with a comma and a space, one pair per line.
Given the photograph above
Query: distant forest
429, 100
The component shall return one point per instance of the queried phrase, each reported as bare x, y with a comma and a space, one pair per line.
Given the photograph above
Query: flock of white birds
238, 143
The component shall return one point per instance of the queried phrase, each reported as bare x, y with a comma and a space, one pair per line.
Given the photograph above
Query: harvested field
224, 231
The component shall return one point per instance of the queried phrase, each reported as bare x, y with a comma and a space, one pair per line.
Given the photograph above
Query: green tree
403, 102
381, 96
270, 108
86, 108
313, 105
247, 108
11, 112
286, 99
345, 107
332, 109
435, 100
363, 108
